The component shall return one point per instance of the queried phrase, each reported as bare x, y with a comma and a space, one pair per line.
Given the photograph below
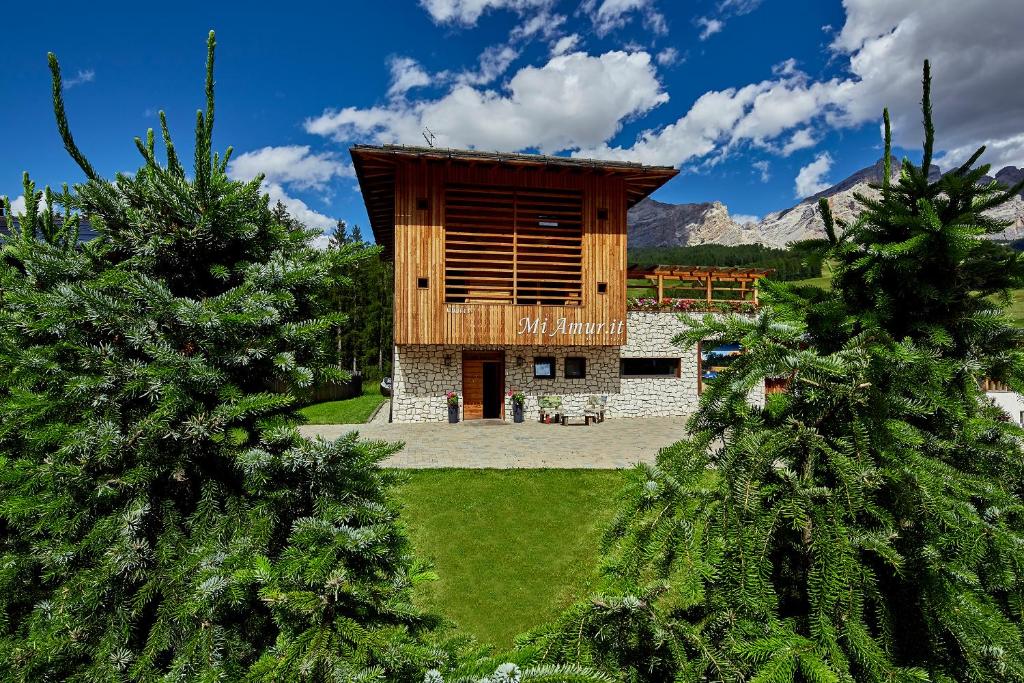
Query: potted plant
518, 401
453, 406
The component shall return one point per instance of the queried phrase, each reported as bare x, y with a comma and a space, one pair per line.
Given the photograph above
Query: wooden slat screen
522, 246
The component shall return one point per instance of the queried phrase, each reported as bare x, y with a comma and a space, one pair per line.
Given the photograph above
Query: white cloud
744, 218
763, 167
574, 101
18, 205
565, 44
738, 7
668, 56
299, 210
976, 94
698, 133
293, 165
406, 74
785, 68
543, 23
709, 27
494, 61
801, 139
810, 179
608, 15
83, 76
467, 12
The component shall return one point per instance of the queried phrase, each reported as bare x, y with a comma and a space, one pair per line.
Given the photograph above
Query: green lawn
1015, 309
349, 411
511, 547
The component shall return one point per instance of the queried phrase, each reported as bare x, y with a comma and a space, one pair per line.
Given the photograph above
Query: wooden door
473, 383
472, 389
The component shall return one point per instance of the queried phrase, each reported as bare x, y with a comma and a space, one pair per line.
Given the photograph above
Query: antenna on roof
429, 136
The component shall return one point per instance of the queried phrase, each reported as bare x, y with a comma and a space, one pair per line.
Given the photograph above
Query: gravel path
613, 444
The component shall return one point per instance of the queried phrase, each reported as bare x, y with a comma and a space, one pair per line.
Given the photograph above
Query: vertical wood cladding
518, 244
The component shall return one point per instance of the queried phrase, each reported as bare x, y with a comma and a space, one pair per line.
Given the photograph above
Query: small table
568, 416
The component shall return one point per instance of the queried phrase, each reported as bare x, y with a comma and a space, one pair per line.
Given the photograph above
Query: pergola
704, 279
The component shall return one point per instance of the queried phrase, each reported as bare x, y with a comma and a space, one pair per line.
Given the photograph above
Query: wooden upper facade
503, 249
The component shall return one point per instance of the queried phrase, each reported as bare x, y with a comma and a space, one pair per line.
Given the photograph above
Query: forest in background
363, 346
800, 261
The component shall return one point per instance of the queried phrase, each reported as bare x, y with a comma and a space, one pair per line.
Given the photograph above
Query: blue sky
758, 102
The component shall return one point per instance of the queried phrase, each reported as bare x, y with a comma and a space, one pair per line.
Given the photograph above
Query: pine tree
357, 234
160, 516
865, 525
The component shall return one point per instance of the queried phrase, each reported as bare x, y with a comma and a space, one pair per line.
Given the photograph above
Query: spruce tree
868, 523
160, 516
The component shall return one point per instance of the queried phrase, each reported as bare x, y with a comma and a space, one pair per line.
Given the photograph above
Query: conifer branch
926, 111
887, 156
172, 156
62, 121
211, 45
826, 217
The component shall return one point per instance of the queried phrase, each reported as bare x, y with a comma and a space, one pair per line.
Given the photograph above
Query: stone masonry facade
424, 373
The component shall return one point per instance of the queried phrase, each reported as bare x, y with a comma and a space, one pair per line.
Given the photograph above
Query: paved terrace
613, 444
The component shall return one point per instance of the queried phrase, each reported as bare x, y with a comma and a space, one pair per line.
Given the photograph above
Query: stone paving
615, 443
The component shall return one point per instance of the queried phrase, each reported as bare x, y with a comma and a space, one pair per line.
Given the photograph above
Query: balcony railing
670, 305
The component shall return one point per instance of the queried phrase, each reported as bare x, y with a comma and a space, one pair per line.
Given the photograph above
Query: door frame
488, 357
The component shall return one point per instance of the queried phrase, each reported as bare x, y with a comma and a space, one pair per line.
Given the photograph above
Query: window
713, 359
602, 287
422, 282
544, 368
649, 367
522, 246
422, 204
575, 368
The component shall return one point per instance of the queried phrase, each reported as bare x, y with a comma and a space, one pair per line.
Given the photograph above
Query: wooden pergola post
701, 277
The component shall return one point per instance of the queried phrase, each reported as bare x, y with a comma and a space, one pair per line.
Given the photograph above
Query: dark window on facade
423, 282
602, 287
602, 214
421, 204
544, 367
575, 368
646, 367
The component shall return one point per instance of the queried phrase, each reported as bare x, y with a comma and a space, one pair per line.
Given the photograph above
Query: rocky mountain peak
653, 223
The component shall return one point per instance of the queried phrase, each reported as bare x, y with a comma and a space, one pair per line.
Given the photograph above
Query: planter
517, 412
453, 414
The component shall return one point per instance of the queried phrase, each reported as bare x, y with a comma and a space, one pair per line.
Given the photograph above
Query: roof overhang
375, 169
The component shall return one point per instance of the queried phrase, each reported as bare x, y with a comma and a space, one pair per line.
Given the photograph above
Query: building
511, 273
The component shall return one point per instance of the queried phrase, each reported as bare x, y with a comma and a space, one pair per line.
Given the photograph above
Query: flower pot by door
517, 412
453, 414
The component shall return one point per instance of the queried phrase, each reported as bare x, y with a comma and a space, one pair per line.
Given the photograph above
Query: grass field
1015, 308
511, 547
349, 411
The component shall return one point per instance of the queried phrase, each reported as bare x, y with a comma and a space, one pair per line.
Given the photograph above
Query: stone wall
421, 377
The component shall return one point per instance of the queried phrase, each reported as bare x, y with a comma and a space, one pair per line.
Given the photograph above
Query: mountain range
656, 224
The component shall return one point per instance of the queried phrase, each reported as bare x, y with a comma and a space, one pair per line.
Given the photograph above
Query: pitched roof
375, 168
85, 230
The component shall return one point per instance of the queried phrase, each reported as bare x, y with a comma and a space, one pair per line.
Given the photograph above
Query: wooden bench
586, 419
